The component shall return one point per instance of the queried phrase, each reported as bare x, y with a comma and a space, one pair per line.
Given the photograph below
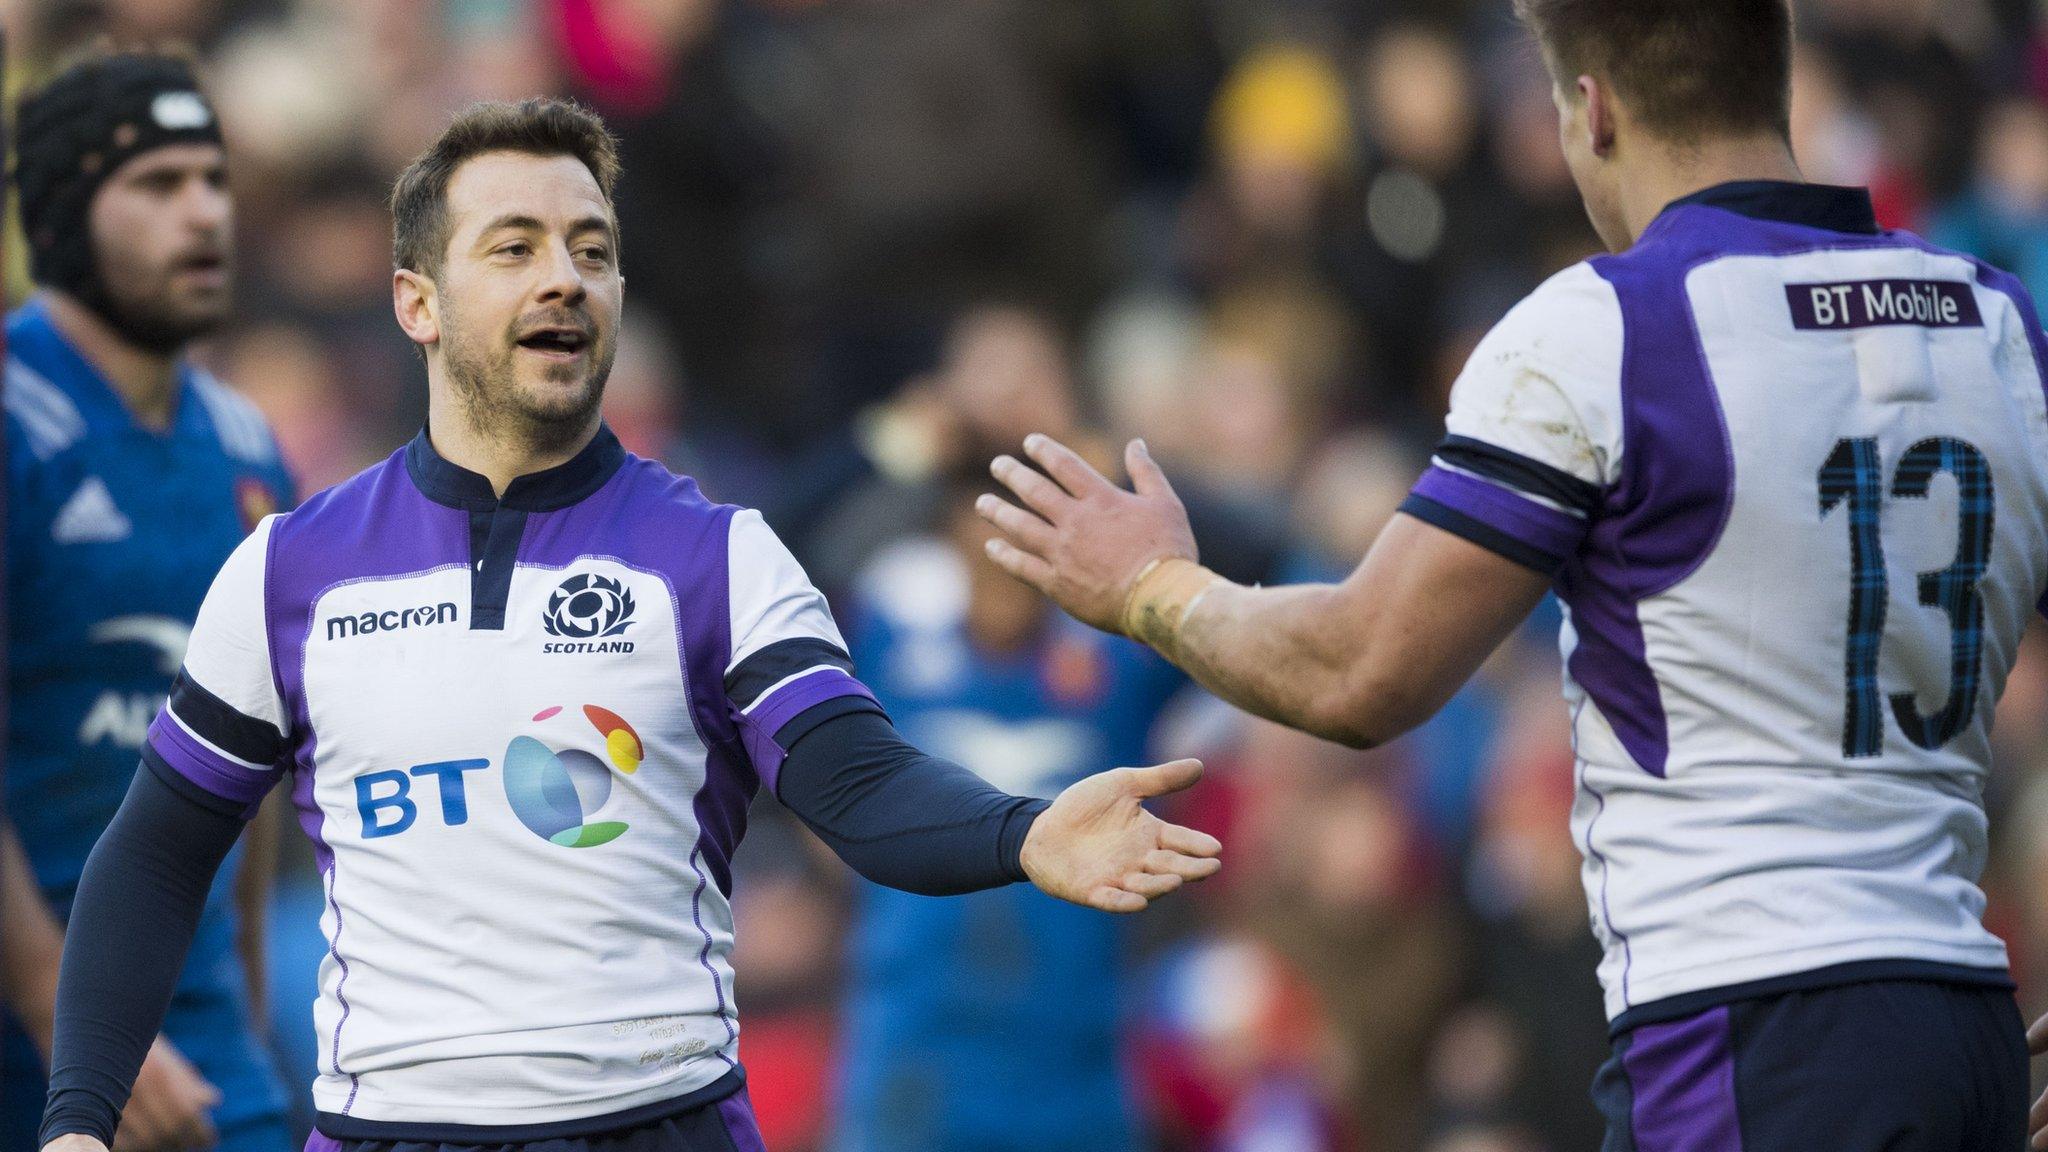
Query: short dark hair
1687, 68
541, 126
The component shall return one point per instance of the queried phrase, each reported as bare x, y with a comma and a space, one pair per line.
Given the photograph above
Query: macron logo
343, 627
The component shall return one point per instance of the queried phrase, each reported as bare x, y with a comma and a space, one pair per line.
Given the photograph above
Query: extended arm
912, 821
138, 906
823, 745
1358, 662
897, 816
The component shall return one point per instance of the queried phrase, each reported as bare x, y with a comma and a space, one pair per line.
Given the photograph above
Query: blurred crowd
868, 243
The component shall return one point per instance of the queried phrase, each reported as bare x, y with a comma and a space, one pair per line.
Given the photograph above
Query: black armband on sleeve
138, 907
896, 815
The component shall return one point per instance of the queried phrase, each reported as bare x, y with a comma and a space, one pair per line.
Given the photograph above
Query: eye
516, 248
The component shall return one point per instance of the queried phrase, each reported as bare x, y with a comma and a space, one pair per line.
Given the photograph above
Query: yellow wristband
1161, 598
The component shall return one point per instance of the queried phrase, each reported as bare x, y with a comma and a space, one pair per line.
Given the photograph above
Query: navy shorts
1884, 1066
722, 1126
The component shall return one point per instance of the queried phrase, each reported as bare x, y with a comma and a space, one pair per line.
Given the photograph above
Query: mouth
556, 343
205, 264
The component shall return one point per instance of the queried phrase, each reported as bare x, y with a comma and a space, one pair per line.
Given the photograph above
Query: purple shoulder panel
2011, 286
373, 525
652, 519
1666, 510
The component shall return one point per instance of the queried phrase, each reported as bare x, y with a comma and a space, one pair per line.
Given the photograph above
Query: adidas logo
90, 517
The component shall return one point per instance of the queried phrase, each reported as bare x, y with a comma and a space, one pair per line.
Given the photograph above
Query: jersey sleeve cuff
1503, 520
209, 768
774, 722
1016, 829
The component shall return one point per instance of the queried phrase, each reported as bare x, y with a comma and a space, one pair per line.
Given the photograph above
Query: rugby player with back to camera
524, 685
1788, 473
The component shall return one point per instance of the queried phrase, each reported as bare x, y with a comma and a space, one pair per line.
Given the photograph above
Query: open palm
1098, 846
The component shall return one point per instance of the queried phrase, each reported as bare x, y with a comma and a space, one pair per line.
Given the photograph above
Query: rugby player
1788, 472
132, 475
525, 685
992, 1022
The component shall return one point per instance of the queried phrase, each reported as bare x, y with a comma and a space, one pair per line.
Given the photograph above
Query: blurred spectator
1236, 1055
2003, 215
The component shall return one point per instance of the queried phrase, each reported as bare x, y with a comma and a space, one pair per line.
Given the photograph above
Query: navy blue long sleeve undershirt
137, 908
897, 816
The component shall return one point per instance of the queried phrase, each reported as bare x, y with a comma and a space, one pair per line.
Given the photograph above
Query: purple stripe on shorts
205, 767
1681, 1079
1538, 525
319, 1141
758, 728
738, 1113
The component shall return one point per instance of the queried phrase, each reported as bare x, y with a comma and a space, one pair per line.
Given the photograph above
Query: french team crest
255, 500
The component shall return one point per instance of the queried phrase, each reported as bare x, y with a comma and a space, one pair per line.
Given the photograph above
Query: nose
208, 207
560, 282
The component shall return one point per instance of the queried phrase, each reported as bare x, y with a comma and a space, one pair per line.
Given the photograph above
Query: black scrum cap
74, 132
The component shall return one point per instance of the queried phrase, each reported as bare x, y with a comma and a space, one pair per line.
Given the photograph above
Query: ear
1600, 115
418, 307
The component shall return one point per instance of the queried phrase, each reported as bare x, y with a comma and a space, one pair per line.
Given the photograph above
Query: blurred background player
1784, 638
132, 475
993, 1021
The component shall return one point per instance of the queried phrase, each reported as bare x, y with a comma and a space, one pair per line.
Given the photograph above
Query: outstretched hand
1098, 846
1078, 538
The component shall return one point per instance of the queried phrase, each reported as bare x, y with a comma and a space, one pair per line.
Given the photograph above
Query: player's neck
146, 381
1662, 174
492, 453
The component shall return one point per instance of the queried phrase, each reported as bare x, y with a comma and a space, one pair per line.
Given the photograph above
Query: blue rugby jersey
522, 733
990, 1021
1790, 472
114, 532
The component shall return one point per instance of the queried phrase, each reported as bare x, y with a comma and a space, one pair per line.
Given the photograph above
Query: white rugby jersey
522, 734
1791, 473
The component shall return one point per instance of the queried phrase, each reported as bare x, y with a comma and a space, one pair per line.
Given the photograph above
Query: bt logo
551, 792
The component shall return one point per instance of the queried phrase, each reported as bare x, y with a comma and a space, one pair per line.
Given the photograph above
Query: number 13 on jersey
1854, 475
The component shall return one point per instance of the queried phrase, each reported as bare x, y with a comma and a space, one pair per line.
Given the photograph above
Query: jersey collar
1829, 207
32, 335
451, 484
